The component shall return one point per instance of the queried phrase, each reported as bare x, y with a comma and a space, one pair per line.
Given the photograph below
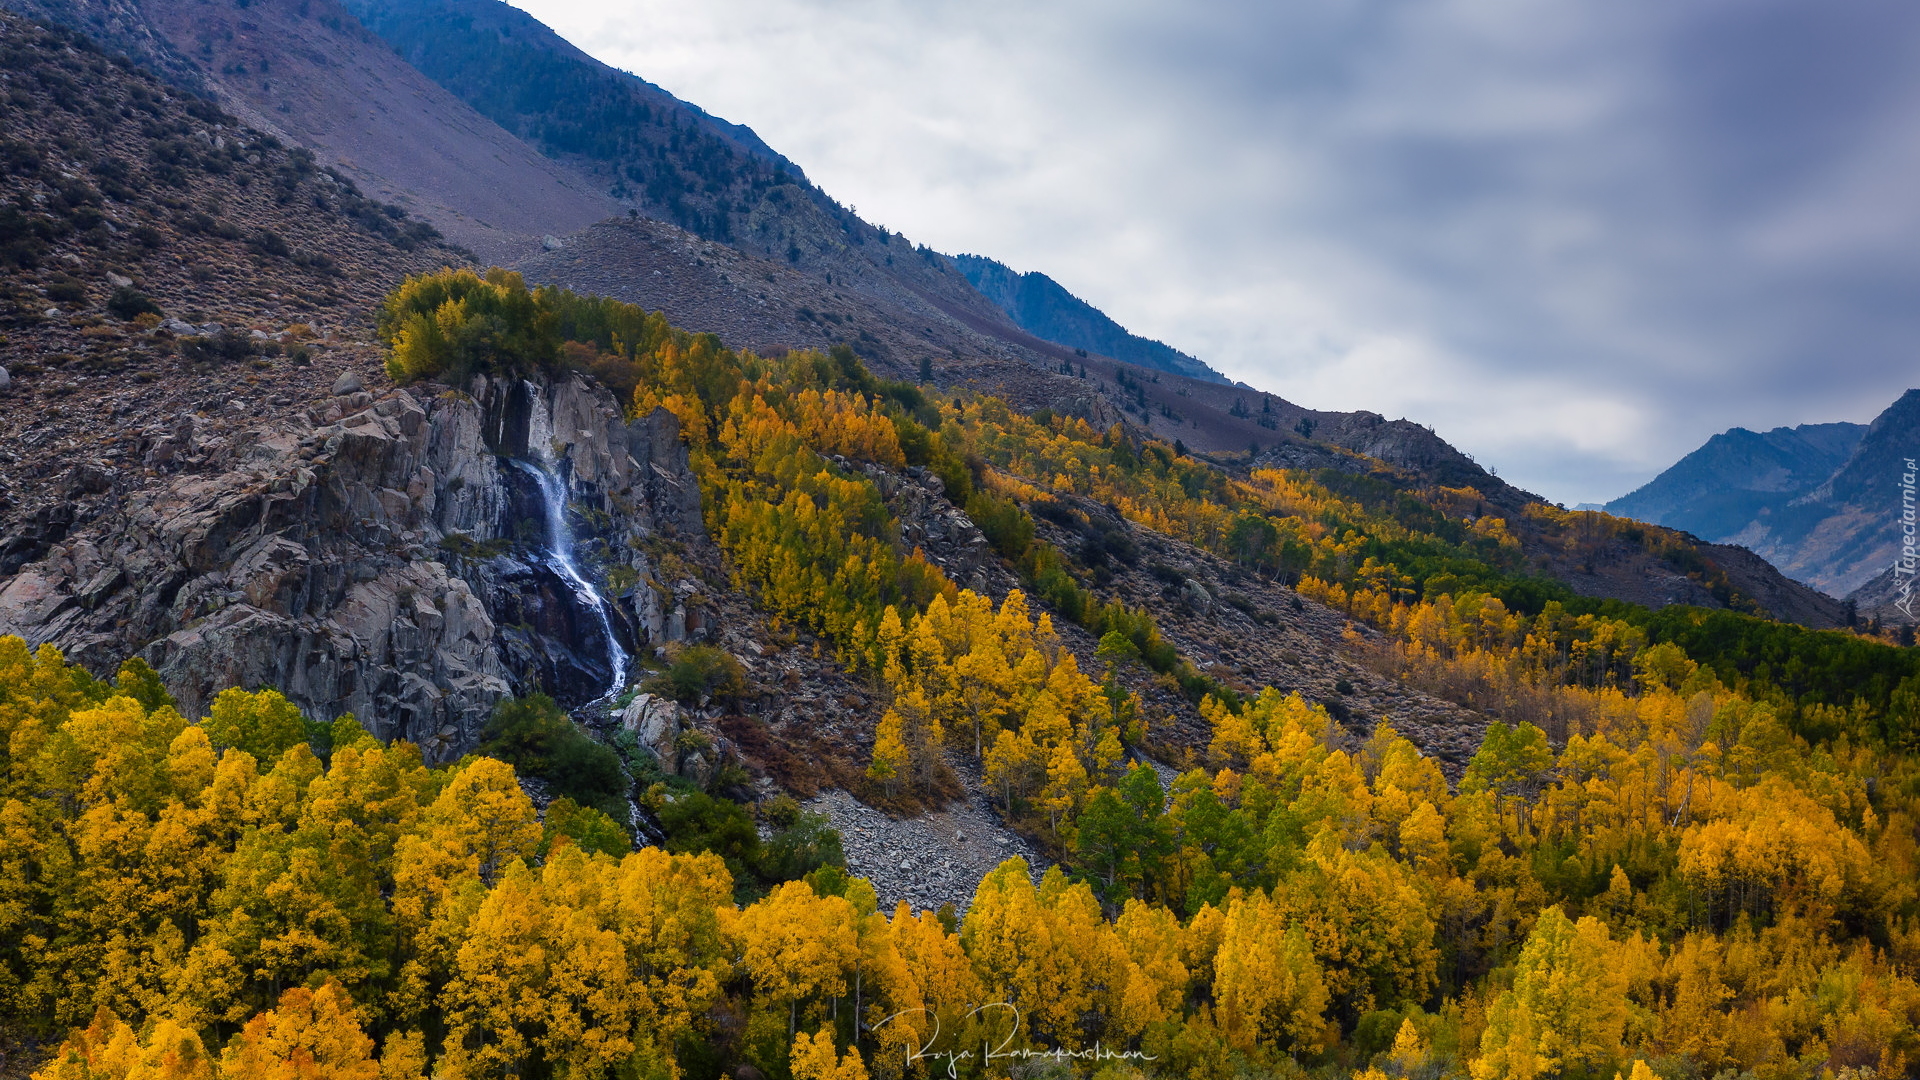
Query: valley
500, 575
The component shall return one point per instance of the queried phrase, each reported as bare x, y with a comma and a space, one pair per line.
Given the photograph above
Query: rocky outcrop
380, 556
685, 743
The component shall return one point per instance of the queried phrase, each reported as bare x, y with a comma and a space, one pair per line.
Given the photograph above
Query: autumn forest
1688, 845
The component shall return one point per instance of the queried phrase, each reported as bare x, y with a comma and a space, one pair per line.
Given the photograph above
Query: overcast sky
1574, 238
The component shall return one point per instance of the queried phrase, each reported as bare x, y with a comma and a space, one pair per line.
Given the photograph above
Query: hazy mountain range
1820, 501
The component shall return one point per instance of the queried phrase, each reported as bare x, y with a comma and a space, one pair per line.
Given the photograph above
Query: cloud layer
1575, 238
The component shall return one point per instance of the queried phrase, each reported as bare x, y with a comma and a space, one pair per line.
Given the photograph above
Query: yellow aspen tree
190, 764
1108, 753
814, 1058
1201, 944
1410, 1052
1008, 938
1046, 641
891, 759
493, 1004
797, 946
942, 980
1695, 1024
1086, 971
1012, 766
1014, 625
1617, 902
1640, 1071
108, 1049
1029, 679
1266, 984
1567, 1008
309, 1034
263, 723
668, 910
1045, 723
1236, 742
921, 731
588, 1001
1369, 925
1423, 841
889, 647
879, 973
1076, 695
1066, 783
479, 823
403, 1056
1157, 976
986, 689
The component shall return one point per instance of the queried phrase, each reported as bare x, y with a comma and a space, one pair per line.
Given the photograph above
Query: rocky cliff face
380, 556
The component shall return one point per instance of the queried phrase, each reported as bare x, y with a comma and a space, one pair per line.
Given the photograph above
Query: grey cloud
1576, 238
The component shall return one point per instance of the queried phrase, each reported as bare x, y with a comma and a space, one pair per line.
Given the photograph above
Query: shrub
807, 844
697, 821
227, 345
700, 670
539, 739
128, 302
802, 843
270, 244
589, 829
452, 323
66, 290
1005, 525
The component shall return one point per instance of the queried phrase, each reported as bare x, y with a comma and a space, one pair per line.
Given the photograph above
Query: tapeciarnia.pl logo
1905, 565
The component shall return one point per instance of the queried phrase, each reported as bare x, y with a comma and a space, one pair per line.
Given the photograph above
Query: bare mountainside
309, 73
1739, 475
175, 264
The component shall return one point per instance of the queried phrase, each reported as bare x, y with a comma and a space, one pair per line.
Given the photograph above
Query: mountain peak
1043, 307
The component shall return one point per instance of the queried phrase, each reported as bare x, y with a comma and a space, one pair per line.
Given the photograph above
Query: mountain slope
307, 72
649, 147
672, 160
801, 270
1040, 305
1737, 475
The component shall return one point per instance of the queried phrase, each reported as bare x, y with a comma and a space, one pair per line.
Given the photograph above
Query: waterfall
553, 499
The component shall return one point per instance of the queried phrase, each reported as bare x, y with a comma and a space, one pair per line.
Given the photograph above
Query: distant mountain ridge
1820, 501
1043, 307
1737, 475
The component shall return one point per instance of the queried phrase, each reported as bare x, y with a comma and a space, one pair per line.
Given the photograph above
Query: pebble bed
930, 860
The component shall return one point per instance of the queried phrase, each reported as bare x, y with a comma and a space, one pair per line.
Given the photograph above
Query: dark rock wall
376, 556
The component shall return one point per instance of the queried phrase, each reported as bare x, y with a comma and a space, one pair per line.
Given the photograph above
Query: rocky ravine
373, 555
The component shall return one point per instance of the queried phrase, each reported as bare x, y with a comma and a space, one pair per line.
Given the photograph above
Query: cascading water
545, 470
553, 499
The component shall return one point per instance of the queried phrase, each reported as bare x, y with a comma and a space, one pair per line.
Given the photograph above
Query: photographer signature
1004, 1048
